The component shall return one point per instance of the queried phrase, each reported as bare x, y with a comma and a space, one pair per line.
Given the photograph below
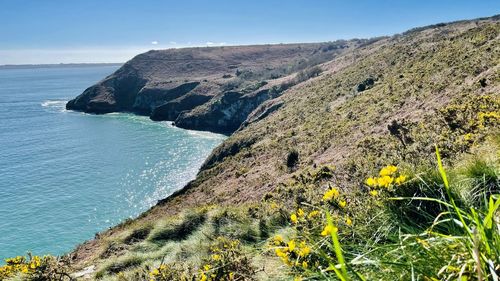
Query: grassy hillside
341, 180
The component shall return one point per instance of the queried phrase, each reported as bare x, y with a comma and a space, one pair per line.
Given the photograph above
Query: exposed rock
149, 98
198, 96
115, 93
264, 110
224, 113
171, 110
179, 84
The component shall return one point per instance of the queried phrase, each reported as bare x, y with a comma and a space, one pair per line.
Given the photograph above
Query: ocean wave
55, 105
200, 134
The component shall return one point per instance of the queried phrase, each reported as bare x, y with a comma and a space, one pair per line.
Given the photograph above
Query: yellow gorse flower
293, 218
385, 181
19, 264
328, 230
342, 203
278, 239
154, 272
300, 213
400, 180
388, 171
313, 214
291, 245
371, 181
304, 250
389, 177
331, 194
280, 253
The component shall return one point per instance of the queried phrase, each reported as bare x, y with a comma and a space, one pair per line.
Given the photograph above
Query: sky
77, 31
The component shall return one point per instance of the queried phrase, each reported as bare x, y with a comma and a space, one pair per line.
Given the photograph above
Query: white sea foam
201, 134
57, 105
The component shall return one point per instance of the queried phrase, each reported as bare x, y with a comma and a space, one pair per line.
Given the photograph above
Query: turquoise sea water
66, 175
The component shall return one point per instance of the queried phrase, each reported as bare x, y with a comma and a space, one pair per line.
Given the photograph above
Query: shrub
138, 234
307, 74
36, 268
292, 158
226, 262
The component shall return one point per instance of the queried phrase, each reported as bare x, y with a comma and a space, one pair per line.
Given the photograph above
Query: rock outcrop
211, 89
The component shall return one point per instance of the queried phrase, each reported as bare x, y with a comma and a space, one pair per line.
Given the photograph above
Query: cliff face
211, 89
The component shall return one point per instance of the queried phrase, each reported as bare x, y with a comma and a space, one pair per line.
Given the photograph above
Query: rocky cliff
211, 89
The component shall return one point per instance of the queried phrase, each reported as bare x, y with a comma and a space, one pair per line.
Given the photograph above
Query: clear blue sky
53, 31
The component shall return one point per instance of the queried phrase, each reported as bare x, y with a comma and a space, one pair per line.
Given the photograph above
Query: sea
64, 175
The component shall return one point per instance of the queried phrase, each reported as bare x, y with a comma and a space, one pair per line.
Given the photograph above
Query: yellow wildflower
371, 182
206, 267
298, 278
155, 272
313, 214
294, 218
203, 277
304, 264
278, 239
373, 193
400, 180
342, 203
330, 194
300, 213
24, 269
387, 171
216, 257
280, 253
291, 245
385, 181
348, 221
328, 230
231, 275
304, 249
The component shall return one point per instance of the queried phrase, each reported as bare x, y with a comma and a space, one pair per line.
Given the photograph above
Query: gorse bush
467, 248
292, 158
35, 268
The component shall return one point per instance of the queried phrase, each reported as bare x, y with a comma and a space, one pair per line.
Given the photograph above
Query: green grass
178, 231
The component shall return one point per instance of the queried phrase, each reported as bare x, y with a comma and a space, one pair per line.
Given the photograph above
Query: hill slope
384, 103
